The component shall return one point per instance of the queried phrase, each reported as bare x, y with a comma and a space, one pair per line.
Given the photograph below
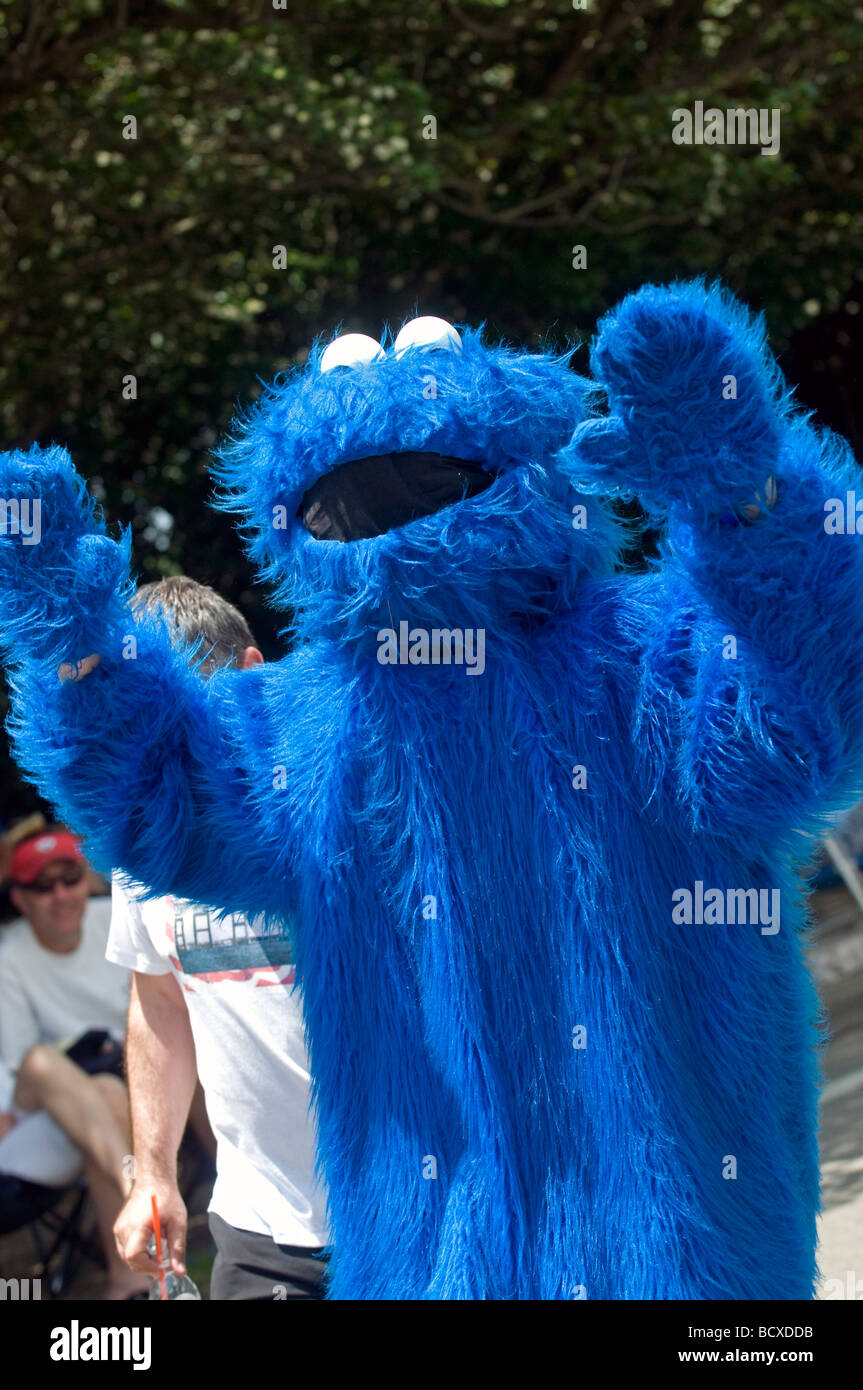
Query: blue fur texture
531, 1081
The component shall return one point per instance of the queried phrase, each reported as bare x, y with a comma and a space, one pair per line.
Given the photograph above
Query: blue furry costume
534, 1076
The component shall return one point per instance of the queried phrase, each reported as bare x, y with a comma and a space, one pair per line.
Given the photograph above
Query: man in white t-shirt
56, 987
217, 993
55, 983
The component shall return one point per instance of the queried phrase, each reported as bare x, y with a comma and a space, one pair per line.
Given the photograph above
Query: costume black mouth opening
366, 497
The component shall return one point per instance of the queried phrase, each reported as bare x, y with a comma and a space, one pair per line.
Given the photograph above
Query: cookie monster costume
563, 1038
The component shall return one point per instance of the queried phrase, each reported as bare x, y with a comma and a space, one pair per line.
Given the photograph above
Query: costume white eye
350, 350
427, 332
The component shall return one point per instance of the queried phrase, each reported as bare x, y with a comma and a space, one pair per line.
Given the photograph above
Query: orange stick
157, 1232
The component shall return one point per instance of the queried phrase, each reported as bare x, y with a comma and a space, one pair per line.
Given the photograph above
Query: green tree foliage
443, 157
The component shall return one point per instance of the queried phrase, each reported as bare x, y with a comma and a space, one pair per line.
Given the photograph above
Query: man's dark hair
201, 617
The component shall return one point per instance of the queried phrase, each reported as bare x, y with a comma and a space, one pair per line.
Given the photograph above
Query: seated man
55, 988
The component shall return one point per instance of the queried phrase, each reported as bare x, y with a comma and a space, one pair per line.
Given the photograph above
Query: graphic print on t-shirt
216, 946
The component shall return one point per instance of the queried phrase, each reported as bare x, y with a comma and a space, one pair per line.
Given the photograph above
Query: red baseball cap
31, 856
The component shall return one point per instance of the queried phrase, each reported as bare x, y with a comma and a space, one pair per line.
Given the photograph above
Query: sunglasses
69, 877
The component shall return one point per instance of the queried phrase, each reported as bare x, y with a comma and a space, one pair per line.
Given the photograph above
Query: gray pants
252, 1266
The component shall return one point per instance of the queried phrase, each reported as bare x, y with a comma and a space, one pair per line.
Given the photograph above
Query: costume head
386, 428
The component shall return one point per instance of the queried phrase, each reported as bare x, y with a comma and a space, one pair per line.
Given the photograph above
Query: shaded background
304, 128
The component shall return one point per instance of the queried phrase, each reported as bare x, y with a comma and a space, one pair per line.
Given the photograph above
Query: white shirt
50, 997
7, 1088
247, 1023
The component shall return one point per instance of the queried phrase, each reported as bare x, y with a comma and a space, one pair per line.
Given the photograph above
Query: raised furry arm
169, 777
750, 708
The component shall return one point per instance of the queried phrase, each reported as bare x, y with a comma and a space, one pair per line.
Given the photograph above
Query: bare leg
94, 1112
80, 1104
107, 1200
108, 1195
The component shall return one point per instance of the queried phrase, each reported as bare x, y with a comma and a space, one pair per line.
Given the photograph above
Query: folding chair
56, 1219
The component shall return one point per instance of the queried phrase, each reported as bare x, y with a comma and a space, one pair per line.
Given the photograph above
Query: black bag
96, 1052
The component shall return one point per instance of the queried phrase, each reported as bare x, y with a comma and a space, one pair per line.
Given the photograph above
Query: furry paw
45, 500
697, 404
58, 569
